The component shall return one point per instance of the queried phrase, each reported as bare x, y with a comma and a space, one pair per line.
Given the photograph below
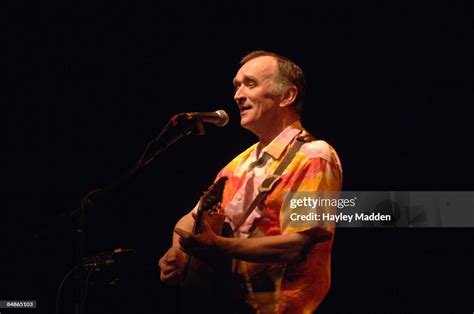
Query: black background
88, 84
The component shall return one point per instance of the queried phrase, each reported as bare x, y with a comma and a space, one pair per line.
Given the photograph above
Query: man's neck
271, 133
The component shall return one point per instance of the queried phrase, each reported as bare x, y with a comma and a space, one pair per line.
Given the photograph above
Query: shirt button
239, 198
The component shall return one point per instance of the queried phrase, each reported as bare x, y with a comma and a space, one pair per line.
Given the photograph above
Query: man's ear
289, 96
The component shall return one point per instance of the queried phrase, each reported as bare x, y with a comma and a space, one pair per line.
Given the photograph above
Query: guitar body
209, 285
199, 272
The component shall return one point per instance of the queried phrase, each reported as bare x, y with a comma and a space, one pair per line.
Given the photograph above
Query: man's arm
173, 261
273, 249
186, 223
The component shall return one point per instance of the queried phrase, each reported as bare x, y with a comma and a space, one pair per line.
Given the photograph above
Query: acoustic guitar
208, 285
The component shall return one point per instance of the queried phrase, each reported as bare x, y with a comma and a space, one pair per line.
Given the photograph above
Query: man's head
289, 74
269, 90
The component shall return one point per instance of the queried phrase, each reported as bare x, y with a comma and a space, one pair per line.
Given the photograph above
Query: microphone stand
183, 126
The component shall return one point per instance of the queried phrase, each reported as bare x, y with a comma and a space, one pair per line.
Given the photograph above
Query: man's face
255, 93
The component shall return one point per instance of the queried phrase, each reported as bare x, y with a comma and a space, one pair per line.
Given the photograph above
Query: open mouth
245, 108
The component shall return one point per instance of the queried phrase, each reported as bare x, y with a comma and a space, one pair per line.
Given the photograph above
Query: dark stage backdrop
88, 84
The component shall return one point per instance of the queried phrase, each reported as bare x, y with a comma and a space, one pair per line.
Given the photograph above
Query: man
286, 266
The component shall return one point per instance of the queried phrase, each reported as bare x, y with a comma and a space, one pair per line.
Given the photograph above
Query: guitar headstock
211, 199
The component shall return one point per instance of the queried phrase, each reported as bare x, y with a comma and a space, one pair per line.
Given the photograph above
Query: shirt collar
278, 145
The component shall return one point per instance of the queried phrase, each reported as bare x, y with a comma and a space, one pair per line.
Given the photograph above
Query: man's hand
203, 244
171, 265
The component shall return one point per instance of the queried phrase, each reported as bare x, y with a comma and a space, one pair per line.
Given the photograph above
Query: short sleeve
303, 209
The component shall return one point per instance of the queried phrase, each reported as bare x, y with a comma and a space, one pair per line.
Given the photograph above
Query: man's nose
239, 96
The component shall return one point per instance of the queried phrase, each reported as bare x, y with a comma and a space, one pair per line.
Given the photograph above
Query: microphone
219, 117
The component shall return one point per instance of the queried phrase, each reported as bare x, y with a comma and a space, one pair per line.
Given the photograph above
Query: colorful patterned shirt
297, 287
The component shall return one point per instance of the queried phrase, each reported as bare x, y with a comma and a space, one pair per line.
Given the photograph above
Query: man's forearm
281, 248
186, 223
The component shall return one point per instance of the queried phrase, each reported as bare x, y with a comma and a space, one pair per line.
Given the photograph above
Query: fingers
167, 265
169, 268
187, 240
170, 260
183, 234
172, 256
171, 278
